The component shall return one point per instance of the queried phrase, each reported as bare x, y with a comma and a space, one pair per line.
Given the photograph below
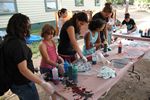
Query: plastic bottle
149, 32
105, 46
94, 59
141, 32
75, 73
145, 34
120, 47
66, 64
55, 73
70, 71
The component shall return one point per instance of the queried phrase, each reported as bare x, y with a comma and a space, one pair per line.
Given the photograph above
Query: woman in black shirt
68, 46
130, 23
17, 56
104, 15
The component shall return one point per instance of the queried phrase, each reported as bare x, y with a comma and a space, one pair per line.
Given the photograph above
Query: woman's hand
129, 32
84, 59
49, 89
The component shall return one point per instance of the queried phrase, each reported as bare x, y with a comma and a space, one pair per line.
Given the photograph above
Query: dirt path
129, 88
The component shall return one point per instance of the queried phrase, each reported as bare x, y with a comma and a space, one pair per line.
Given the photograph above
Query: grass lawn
36, 31
35, 50
34, 46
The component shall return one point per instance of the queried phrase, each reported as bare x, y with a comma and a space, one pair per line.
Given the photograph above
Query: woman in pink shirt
47, 47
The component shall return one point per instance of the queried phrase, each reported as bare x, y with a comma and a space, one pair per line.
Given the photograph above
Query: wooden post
56, 18
127, 6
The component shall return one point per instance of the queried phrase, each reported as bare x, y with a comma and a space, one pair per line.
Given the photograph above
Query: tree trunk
127, 6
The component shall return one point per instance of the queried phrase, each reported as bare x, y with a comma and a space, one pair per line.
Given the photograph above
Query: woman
18, 60
104, 15
47, 47
68, 46
62, 14
111, 28
92, 38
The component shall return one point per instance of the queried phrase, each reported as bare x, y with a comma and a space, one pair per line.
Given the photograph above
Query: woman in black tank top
68, 46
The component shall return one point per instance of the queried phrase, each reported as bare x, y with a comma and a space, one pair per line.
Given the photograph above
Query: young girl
92, 38
62, 15
48, 52
110, 27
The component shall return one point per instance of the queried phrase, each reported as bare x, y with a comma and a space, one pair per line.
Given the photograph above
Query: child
62, 15
111, 27
92, 38
50, 58
130, 23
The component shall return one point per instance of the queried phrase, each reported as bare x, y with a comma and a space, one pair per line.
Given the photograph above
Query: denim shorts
45, 70
25, 92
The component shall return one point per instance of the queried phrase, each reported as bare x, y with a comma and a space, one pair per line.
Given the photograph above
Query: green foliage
116, 1
142, 1
109, 0
35, 45
130, 1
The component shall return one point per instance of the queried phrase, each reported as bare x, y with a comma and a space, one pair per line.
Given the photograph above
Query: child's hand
61, 68
61, 59
129, 32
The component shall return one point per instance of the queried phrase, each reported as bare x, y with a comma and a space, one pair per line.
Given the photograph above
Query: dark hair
47, 29
94, 24
108, 7
80, 16
62, 11
112, 15
18, 26
127, 15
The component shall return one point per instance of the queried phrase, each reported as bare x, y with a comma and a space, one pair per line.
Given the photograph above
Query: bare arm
105, 32
61, 59
71, 34
98, 42
135, 27
87, 41
22, 66
58, 57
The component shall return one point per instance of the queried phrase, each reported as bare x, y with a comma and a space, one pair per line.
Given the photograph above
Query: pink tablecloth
135, 36
98, 85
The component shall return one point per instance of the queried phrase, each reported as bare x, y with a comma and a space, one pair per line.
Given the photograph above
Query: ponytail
81, 16
62, 11
108, 7
59, 13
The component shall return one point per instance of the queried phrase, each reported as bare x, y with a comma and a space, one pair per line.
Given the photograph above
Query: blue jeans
25, 92
45, 70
